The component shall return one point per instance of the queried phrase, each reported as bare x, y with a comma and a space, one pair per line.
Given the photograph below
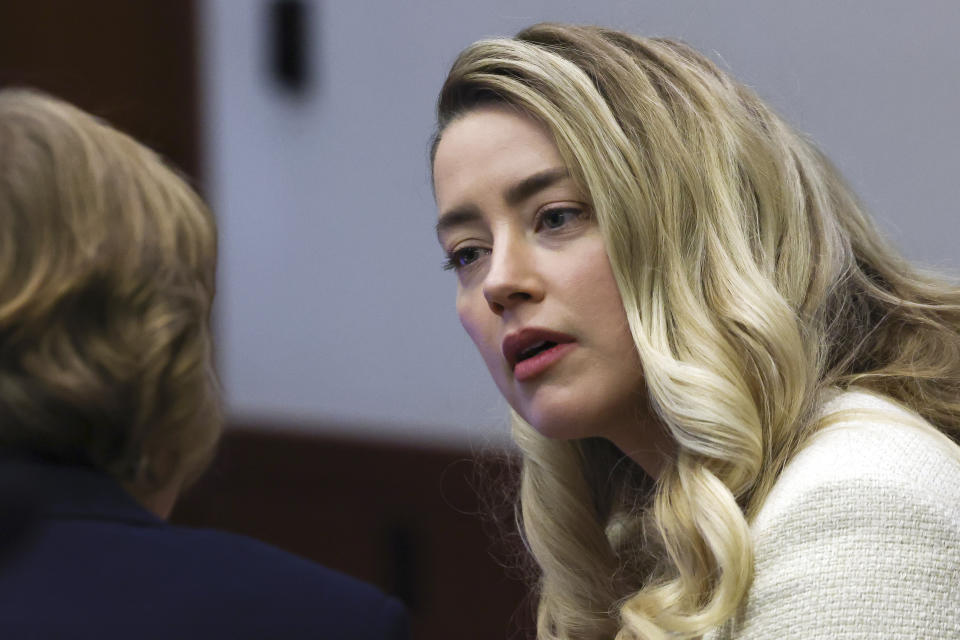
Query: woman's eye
461, 258
556, 218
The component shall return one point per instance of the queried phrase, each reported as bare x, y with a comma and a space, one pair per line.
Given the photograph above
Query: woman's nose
513, 277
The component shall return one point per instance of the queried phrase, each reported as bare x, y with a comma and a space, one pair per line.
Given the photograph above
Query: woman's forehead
491, 144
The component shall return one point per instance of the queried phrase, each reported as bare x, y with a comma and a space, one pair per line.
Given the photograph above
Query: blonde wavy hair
753, 282
107, 263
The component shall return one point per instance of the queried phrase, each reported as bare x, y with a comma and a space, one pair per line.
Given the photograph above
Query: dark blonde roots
752, 281
107, 263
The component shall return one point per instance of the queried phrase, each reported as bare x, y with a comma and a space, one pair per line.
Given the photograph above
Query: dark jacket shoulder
81, 559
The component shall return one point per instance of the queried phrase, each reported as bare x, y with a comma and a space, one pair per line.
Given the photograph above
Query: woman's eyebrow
530, 185
457, 217
514, 195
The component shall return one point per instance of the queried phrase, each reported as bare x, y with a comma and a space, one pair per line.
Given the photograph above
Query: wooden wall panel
130, 61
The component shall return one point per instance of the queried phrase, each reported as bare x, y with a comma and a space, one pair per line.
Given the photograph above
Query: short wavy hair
107, 265
752, 282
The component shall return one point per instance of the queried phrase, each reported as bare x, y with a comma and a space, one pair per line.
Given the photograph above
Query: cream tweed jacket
860, 537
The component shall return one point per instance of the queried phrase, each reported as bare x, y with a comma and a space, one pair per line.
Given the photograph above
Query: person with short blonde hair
107, 262
737, 405
109, 407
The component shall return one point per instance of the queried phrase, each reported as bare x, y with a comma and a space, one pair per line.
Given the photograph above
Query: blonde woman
737, 405
109, 406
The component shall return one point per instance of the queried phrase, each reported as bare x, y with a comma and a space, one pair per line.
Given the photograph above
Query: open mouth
540, 355
524, 346
534, 349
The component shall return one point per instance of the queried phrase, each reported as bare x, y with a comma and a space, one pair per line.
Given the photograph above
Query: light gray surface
332, 305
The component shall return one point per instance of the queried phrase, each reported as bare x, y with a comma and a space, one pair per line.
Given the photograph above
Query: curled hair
107, 263
752, 282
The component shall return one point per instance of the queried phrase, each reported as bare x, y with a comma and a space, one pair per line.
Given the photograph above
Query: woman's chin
559, 425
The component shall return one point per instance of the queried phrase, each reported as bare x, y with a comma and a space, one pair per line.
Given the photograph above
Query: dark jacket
80, 558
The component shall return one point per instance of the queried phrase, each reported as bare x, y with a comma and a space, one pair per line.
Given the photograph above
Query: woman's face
535, 290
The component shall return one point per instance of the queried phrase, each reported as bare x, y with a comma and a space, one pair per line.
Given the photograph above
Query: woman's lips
535, 365
519, 344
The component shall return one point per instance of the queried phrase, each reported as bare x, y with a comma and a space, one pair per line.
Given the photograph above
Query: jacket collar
39, 487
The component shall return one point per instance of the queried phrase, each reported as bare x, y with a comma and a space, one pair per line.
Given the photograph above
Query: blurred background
357, 407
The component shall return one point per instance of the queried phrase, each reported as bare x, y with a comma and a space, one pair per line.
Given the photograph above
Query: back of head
107, 263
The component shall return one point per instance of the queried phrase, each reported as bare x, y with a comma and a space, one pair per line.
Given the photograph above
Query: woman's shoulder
872, 448
860, 536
